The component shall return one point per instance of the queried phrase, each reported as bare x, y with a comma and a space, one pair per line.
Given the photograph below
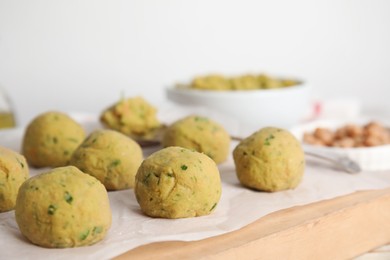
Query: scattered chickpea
372, 141
372, 129
310, 139
359, 141
350, 135
346, 142
353, 130
324, 134
340, 133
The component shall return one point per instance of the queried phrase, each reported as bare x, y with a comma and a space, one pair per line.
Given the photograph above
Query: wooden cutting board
339, 228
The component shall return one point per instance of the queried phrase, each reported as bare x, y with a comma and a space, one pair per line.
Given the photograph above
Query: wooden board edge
339, 228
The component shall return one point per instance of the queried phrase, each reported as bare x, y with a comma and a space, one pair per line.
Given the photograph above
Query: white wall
76, 55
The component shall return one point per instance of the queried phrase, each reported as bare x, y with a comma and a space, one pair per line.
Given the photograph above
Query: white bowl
282, 107
374, 158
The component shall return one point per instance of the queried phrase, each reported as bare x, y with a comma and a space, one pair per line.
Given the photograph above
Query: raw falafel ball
132, 116
271, 159
50, 139
109, 156
13, 172
63, 207
177, 183
201, 134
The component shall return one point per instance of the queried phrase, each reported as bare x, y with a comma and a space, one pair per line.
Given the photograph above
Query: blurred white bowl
374, 158
281, 107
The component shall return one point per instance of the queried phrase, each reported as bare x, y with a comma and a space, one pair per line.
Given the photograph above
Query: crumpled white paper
237, 208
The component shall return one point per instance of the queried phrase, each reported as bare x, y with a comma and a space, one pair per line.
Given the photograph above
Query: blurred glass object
7, 117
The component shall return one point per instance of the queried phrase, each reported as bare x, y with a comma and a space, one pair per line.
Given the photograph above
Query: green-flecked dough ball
109, 156
132, 116
271, 159
50, 139
13, 172
200, 134
63, 207
177, 183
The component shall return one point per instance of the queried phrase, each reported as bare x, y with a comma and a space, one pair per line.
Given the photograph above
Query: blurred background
84, 55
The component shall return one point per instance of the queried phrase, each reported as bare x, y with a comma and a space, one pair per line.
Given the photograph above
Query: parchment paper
238, 207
